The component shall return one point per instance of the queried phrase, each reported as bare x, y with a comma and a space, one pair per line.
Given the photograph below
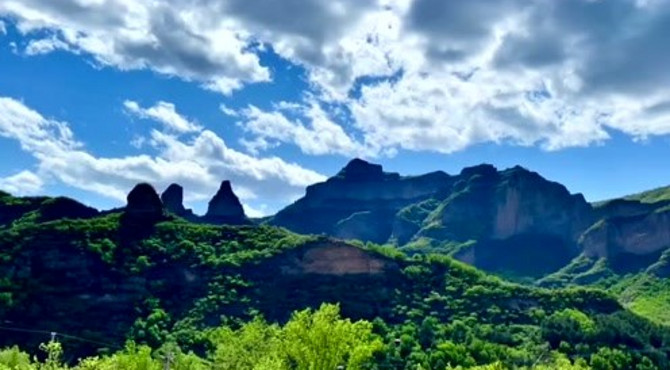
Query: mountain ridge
511, 221
145, 274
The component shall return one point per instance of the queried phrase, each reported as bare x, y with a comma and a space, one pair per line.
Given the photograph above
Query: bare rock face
144, 203
367, 225
360, 170
490, 204
225, 207
635, 235
334, 259
623, 208
173, 199
343, 205
526, 203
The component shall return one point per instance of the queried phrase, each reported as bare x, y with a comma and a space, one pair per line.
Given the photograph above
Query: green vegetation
652, 196
310, 340
247, 297
646, 295
322, 339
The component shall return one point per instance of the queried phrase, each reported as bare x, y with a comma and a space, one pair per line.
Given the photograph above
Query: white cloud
438, 75
261, 211
34, 133
169, 37
319, 136
45, 46
22, 183
3, 28
199, 164
164, 113
228, 111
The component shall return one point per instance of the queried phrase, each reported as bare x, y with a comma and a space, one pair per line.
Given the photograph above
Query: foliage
310, 340
652, 196
165, 285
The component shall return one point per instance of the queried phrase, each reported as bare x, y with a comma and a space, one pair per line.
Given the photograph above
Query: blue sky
96, 96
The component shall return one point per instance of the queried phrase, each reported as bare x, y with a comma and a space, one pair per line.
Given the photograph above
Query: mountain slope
661, 194
482, 216
165, 279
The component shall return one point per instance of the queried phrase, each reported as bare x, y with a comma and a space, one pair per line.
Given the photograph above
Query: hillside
145, 274
512, 222
661, 194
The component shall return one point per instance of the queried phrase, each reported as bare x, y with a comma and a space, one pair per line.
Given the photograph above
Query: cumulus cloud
22, 183
438, 75
168, 37
3, 28
45, 46
228, 111
164, 113
320, 135
199, 164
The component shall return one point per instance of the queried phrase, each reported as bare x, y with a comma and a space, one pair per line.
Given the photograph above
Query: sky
274, 95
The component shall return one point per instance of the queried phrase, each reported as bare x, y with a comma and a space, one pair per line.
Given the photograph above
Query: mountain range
384, 246
513, 221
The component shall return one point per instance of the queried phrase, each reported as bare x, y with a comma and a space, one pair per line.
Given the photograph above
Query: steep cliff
143, 204
511, 212
635, 238
173, 201
359, 202
225, 207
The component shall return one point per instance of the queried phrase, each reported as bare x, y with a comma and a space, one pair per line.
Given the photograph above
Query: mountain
173, 201
225, 207
359, 202
510, 220
163, 281
13, 209
661, 194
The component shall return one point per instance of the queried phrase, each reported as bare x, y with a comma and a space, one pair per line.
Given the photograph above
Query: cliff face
521, 222
481, 203
527, 203
332, 258
173, 201
143, 203
637, 235
225, 207
359, 202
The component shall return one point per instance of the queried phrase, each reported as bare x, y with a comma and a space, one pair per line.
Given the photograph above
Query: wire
62, 335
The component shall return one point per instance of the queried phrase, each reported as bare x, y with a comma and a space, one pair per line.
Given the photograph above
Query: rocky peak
173, 199
360, 170
225, 206
143, 201
485, 170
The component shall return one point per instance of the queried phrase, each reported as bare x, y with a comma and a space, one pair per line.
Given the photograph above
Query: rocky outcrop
333, 258
634, 235
367, 225
173, 201
143, 203
527, 203
342, 205
490, 204
225, 207
365, 283
499, 209
623, 208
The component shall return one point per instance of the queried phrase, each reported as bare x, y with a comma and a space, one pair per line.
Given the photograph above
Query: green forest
127, 292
